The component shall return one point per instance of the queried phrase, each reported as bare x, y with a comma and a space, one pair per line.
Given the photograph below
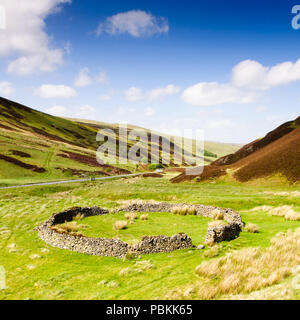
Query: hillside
278, 153
258, 144
212, 150
39, 147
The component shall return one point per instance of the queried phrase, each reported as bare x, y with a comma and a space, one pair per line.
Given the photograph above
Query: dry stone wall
104, 246
215, 234
148, 244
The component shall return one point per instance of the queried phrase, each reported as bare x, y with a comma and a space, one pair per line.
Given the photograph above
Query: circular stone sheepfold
148, 244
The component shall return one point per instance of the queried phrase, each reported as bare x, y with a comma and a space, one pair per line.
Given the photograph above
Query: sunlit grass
36, 270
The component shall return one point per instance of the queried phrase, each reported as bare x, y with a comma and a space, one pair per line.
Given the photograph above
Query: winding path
72, 181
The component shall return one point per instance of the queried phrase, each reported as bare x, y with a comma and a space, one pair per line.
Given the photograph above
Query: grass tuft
252, 228
78, 217
247, 270
184, 210
120, 225
217, 214
131, 215
71, 228
212, 252
283, 211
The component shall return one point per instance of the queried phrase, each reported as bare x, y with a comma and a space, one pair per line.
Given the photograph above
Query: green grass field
44, 156
157, 224
35, 270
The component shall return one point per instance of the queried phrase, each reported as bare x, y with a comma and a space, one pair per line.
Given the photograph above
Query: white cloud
59, 111
55, 91
248, 78
249, 74
25, 36
102, 77
213, 93
162, 92
43, 62
214, 124
83, 79
284, 73
137, 23
136, 94
6, 89
149, 112
86, 112
253, 75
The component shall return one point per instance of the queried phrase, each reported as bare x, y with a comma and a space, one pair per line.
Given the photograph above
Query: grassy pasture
35, 270
44, 156
158, 223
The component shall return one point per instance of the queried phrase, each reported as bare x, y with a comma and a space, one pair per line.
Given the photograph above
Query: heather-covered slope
258, 144
35, 146
18, 118
278, 153
279, 157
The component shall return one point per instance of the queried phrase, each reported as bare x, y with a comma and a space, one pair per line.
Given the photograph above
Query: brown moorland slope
282, 156
277, 153
258, 144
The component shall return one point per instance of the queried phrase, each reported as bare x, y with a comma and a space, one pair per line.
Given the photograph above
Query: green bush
154, 166
210, 154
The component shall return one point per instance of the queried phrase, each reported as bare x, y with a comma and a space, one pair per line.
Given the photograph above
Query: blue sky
228, 67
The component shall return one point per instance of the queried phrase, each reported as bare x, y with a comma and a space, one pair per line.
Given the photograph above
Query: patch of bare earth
22, 164
92, 161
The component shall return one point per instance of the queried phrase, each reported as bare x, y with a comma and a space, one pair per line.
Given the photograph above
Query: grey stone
148, 244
